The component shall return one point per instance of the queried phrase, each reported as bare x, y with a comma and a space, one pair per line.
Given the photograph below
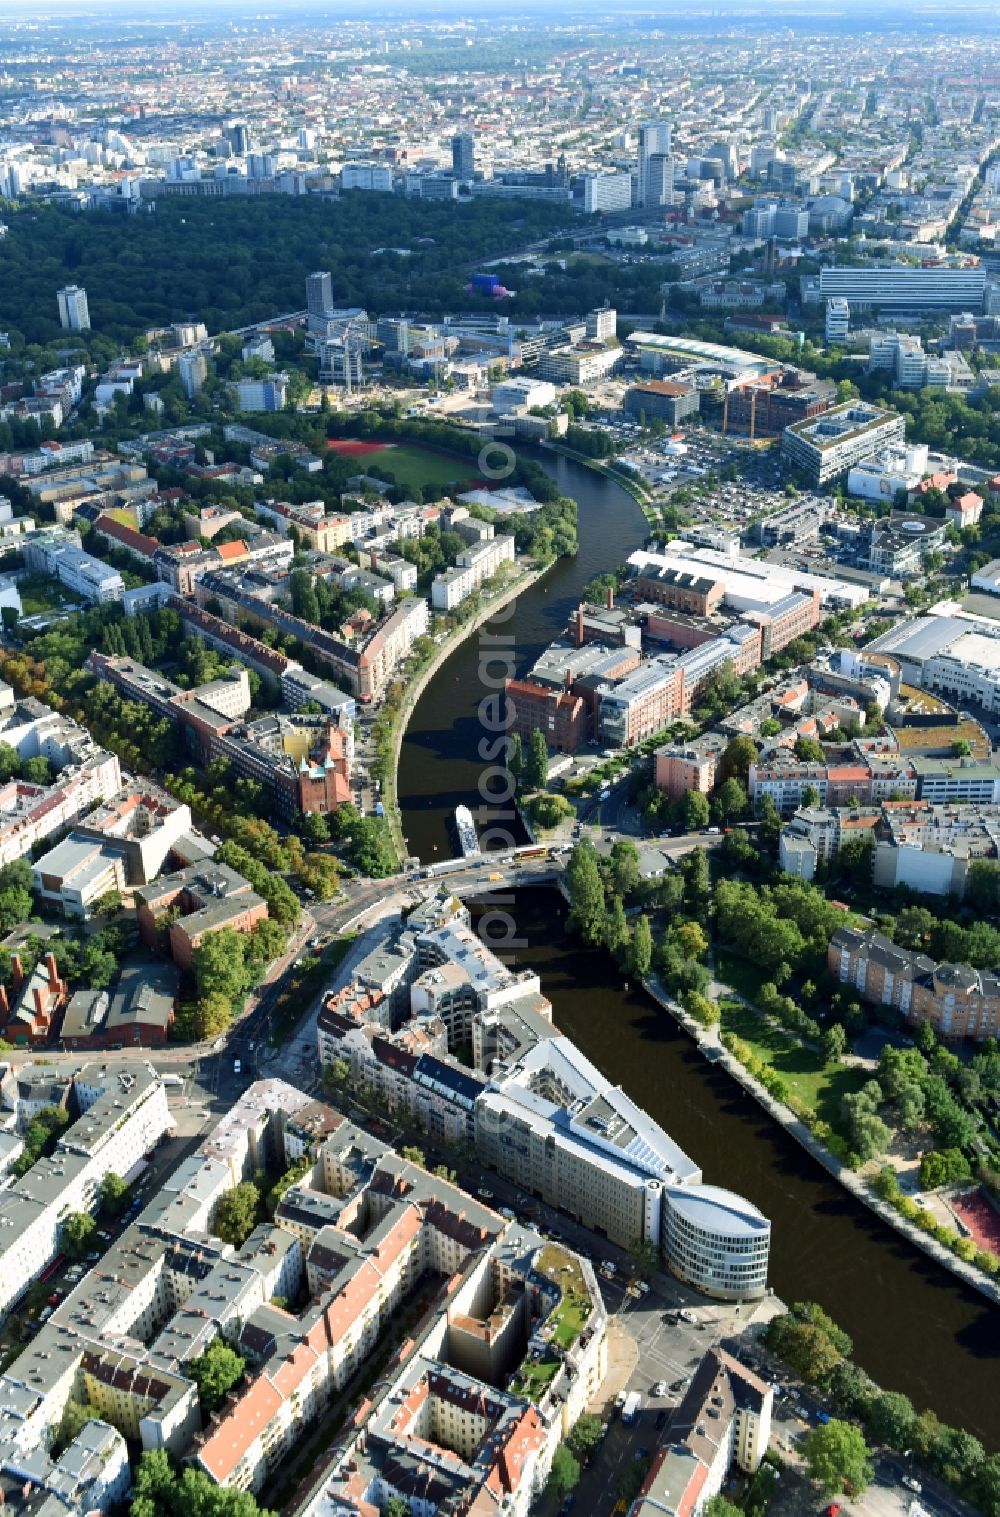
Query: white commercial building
579, 363
262, 394
366, 176
522, 392
906, 286
555, 1126
57, 552
607, 192
879, 478
749, 584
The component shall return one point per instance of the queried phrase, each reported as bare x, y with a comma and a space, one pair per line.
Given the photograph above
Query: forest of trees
232, 262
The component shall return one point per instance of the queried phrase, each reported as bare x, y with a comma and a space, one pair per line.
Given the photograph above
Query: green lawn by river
821, 1086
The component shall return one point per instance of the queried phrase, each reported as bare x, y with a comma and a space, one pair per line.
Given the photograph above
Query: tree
624, 867
735, 760
336, 1074
696, 811
215, 1372
113, 1193
396, 1506
697, 883
586, 894
691, 938
160, 1490
833, 1044
236, 1213
585, 1436
705, 1012
808, 750
867, 1134
943, 1166
315, 828
836, 1456
982, 880
851, 1388
213, 1015
615, 926
219, 964
926, 1038
414, 1155
731, 801
77, 1230
890, 1419
536, 762
641, 948
564, 1475
515, 759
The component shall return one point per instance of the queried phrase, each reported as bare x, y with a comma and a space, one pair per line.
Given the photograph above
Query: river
915, 1327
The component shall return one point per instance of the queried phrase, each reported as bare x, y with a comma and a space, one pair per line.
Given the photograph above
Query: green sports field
417, 468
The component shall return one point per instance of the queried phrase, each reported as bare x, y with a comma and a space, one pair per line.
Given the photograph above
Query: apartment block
303, 761
199, 901
57, 552
723, 1421
958, 1001
119, 1112
473, 567
676, 770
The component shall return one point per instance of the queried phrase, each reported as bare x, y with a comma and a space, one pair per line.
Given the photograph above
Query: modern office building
540, 1113
522, 391
74, 313
463, 156
239, 138
550, 1122
826, 447
56, 551
838, 319
607, 192
654, 141
883, 475
659, 398
319, 293
906, 286
367, 176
